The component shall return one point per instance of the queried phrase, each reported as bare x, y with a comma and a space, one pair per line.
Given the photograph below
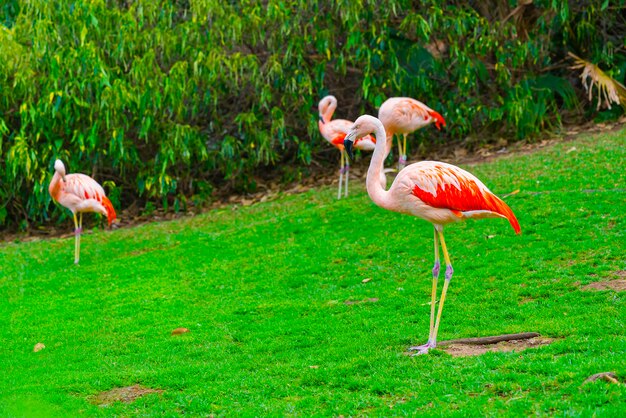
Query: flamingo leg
80, 230
340, 175
423, 349
347, 170
399, 151
403, 155
76, 238
449, 272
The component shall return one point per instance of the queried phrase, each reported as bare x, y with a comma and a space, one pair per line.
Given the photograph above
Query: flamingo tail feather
497, 205
439, 120
109, 208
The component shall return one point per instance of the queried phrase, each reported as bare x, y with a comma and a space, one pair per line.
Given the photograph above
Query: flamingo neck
389, 145
55, 186
376, 191
328, 114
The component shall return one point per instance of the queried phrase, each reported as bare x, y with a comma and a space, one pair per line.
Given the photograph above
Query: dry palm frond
609, 90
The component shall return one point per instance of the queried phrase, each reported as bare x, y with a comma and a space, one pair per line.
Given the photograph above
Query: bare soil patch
618, 285
126, 394
465, 350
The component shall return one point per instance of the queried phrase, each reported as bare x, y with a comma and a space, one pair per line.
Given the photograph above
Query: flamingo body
437, 192
403, 115
442, 193
79, 193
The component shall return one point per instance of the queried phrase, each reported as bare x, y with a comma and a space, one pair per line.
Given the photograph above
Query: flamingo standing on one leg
403, 115
79, 193
437, 192
334, 131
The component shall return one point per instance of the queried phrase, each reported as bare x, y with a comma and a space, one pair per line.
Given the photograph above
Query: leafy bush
168, 99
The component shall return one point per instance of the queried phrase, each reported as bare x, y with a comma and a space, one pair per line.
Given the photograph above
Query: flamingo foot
422, 349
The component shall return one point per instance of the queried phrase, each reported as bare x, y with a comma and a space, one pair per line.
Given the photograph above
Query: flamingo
437, 192
79, 193
403, 115
334, 131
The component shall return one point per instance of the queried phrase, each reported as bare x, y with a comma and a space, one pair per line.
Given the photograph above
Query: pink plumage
403, 115
79, 193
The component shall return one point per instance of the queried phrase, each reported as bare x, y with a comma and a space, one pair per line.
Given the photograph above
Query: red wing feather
110, 210
470, 195
439, 120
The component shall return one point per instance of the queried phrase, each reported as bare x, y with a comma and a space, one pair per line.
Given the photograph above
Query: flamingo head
327, 107
60, 168
364, 125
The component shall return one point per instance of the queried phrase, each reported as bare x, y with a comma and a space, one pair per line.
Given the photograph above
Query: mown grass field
263, 290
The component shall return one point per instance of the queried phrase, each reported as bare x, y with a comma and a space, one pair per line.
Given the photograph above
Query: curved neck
55, 186
328, 113
375, 190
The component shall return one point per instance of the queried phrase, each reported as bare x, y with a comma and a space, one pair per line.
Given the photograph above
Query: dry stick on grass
491, 340
608, 376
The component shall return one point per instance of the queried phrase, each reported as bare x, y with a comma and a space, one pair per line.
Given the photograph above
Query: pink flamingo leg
80, 231
423, 349
449, 272
347, 169
341, 171
402, 153
77, 230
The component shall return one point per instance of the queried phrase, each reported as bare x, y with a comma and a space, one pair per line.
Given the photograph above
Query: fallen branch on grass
608, 376
491, 340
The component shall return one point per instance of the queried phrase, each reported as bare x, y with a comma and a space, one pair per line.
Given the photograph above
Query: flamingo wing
83, 186
88, 190
445, 186
408, 109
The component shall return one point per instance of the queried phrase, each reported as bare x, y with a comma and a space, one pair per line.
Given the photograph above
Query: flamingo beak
321, 118
347, 143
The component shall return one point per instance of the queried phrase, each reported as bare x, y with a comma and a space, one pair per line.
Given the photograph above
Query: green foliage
263, 291
161, 97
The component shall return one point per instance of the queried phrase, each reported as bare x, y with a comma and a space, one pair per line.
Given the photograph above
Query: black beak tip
348, 146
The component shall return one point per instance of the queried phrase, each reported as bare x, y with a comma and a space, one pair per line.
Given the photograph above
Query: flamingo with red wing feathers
403, 115
334, 131
437, 192
79, 193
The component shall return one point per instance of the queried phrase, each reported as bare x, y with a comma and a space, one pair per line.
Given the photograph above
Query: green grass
262, 290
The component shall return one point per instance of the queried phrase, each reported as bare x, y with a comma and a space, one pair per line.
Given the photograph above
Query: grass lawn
263, 290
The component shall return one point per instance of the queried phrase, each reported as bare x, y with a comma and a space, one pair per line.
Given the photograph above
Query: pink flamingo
437, 192
334, 131
403, 115
79, 193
